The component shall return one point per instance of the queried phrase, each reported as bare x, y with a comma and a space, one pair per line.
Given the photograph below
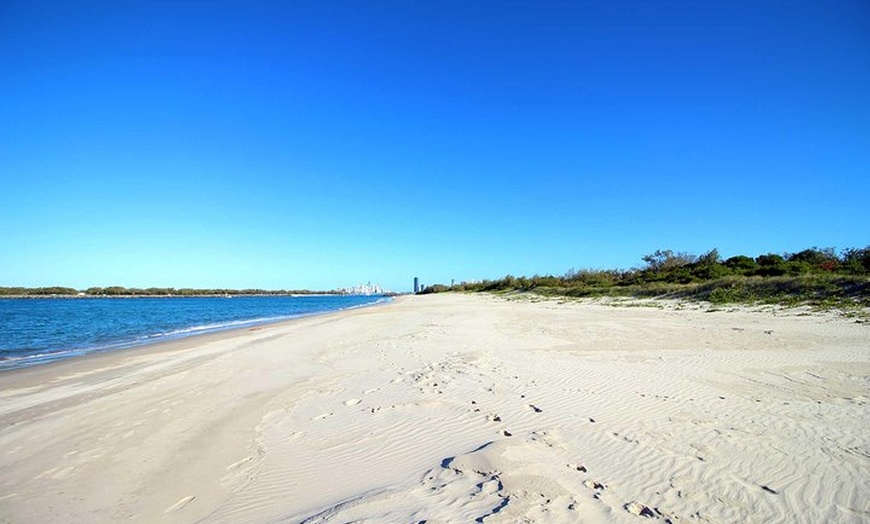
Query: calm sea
35, 331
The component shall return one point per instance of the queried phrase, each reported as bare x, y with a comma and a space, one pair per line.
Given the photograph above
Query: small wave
19, 361
382, 300
219, 326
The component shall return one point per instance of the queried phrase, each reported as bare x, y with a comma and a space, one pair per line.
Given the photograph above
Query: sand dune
455, 409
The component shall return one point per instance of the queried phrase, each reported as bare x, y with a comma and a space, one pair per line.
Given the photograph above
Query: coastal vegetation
814, 276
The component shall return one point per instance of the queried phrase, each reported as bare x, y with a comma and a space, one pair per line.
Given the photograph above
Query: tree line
120, 291
814, 272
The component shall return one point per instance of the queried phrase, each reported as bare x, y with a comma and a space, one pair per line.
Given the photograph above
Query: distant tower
416, 285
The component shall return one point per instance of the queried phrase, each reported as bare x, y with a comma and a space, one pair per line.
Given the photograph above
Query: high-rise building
416, 284
363, 289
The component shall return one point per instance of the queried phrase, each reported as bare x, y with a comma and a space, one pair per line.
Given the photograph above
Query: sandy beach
454, 408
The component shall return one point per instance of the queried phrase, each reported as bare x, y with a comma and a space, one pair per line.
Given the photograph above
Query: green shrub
724, 295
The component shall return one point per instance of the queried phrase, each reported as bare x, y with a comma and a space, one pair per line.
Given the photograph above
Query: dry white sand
454, 409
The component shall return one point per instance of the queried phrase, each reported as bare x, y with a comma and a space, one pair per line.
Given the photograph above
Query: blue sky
323, 144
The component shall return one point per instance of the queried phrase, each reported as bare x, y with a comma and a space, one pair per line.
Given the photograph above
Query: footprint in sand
596, 486
352, 402
180, 504
246, 460
321, 417
641, 510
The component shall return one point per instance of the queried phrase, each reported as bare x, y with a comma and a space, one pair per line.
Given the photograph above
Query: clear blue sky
322, 144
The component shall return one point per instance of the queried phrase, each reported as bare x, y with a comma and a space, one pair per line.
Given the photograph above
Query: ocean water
39, 330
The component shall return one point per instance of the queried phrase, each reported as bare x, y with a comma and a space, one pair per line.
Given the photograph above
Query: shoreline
446, 408
121, 346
